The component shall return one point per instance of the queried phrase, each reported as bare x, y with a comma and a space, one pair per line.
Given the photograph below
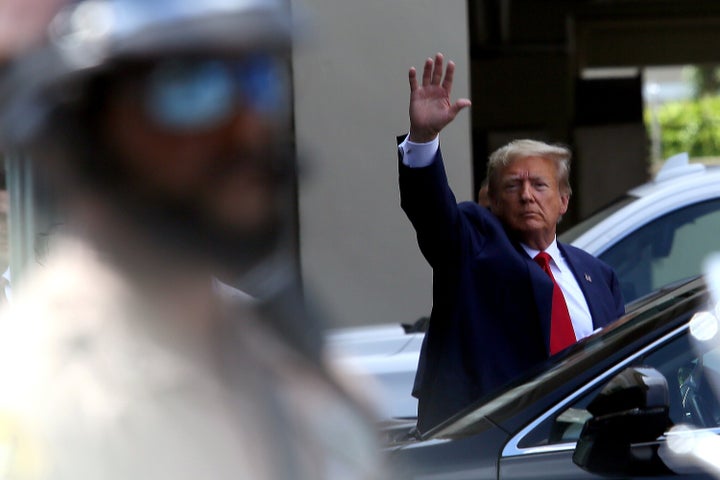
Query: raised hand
430, 106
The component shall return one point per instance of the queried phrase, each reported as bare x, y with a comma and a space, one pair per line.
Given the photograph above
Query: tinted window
575, 232
665, 250
692, 377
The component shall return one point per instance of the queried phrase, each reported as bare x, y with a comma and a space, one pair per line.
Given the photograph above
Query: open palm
430, 106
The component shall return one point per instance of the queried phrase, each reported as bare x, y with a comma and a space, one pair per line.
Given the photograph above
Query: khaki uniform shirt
94, 386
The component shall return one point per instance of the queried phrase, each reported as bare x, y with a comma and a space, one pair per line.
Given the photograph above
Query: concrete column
359, 255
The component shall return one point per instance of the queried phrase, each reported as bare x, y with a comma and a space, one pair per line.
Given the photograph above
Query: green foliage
705, 79
691, 126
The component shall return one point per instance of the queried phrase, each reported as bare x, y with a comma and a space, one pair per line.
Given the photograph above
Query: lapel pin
588, 277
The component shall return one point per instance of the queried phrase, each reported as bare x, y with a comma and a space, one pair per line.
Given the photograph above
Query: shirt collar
553, 250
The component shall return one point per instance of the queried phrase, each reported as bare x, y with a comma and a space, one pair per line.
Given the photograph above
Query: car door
544, 449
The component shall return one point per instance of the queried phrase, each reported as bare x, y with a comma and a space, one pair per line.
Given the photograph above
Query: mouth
271, 164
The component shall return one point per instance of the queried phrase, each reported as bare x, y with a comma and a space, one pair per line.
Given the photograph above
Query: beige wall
358, 251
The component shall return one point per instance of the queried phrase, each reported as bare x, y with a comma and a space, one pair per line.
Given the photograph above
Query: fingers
433, 73
437, 71
448, 80
432, 76
427, 72
460, 104
412, 76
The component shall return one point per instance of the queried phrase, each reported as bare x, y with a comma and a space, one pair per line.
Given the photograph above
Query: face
222, 166
528, 200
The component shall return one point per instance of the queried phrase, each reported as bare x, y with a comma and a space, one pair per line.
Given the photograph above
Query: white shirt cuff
418, 155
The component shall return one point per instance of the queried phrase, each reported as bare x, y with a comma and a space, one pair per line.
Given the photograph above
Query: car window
573, 233
665, 250
692, 378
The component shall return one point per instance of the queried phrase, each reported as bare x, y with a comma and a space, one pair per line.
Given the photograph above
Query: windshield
575, 232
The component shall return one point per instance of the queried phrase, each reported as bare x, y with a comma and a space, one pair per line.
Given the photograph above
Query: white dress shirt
574, 297
418, 155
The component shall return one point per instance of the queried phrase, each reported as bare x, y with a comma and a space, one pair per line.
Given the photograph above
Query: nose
526, 193
249, 128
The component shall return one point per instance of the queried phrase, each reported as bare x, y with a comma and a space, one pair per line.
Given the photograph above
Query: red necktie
562, 334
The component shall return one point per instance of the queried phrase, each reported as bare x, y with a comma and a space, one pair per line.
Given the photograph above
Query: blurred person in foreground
506, 294
163, 127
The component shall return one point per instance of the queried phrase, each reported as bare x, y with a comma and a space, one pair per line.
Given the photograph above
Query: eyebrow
513, 178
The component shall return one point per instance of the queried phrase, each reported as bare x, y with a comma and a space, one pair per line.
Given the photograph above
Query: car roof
647, 320
677, 173
677, 184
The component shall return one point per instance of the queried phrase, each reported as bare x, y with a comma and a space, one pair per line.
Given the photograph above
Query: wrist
421, 137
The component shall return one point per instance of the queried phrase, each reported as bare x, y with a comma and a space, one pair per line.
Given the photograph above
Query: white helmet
86, 37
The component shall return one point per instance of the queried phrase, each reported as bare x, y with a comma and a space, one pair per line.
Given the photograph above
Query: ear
564, 202
493, 204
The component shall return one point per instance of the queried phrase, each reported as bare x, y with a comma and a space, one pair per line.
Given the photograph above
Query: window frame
512, 448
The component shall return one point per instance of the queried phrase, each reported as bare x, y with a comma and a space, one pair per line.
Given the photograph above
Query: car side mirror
629, 414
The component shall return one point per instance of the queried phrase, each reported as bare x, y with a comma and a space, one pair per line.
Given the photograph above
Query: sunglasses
188, 94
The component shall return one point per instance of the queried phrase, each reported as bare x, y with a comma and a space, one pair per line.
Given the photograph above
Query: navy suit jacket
490, 319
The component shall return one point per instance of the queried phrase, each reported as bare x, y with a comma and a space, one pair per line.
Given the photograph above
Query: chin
246, 217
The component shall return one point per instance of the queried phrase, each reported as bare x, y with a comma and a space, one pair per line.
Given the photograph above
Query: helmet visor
187, 94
